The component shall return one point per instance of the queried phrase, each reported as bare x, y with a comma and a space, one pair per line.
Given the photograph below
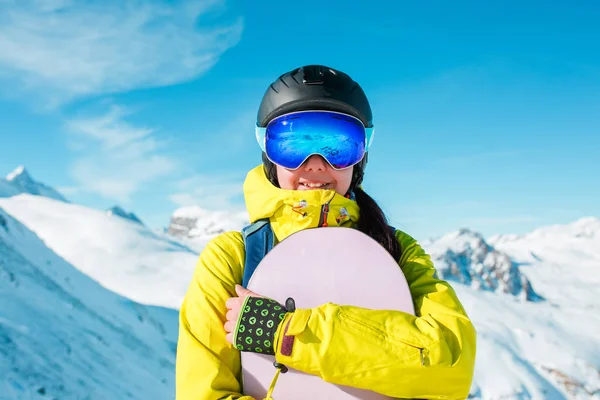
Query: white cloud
67, 49
116, 158
215, 192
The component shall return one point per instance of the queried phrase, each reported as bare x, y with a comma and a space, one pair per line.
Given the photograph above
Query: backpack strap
258, 241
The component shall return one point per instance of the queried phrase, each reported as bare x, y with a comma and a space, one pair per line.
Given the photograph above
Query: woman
314, 127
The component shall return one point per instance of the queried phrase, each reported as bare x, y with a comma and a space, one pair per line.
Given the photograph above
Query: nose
315, 163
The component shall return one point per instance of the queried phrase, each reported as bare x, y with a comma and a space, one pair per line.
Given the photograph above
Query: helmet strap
358, 173
270, 170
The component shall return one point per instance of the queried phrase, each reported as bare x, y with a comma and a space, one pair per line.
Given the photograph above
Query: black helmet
314, 87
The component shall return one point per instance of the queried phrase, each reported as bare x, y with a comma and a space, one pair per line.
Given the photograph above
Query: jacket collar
290, 211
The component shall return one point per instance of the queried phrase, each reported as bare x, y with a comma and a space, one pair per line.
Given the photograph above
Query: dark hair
374, 223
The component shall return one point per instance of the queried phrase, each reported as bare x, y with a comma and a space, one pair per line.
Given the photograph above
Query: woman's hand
252, 321
234, 305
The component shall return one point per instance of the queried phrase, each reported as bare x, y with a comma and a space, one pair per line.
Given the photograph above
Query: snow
200, 224
533, 299
517, 342
548, 349
19, 181
123, 256
63, 336
464, 256
19, 171
563, 261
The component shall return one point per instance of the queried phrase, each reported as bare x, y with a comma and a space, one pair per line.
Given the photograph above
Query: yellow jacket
430, 355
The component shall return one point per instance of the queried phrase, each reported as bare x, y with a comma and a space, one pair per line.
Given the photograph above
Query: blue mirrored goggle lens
291, 139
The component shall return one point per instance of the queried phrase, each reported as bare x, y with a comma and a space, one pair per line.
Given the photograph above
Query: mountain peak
20, 181
463, 238
466, 232
19, 174
466, 257
587, 223
118, 211
195, 222
587, 227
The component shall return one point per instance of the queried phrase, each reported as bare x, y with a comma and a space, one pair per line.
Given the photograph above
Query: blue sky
487, 115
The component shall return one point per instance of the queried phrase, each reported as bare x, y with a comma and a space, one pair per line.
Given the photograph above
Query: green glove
256, 326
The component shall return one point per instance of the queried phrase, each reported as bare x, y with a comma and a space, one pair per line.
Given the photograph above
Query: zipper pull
324, 212
424, 353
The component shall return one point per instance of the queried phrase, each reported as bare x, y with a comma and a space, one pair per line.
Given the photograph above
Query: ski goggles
289, 140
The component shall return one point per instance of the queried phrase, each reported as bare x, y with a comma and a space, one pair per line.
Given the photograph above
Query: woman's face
315, 173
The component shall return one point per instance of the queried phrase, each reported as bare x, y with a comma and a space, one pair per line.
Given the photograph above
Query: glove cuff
256, 326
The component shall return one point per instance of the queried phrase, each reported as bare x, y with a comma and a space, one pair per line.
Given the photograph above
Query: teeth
315, 185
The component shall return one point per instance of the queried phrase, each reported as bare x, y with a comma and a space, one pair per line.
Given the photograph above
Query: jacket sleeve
207, 366
428, 355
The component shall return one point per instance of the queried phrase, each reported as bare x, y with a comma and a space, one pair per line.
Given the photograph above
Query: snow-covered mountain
561, 260
119, 212
546, 349
64, 336
19, 181
199, 224
123, 256
464, 256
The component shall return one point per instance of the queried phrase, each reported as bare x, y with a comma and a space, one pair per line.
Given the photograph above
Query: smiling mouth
310, 185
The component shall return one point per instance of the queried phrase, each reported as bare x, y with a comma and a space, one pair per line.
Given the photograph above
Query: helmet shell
314, 87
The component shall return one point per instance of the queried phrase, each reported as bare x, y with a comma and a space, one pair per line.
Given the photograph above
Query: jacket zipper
323, 217
424, 353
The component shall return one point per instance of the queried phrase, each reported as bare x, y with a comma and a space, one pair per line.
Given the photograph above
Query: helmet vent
284, 82
273, 88
313, 75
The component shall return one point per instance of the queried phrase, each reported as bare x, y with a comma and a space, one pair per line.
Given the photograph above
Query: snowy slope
19, 181
529, 350
63, 336
543, 349
123, 256
547, 349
